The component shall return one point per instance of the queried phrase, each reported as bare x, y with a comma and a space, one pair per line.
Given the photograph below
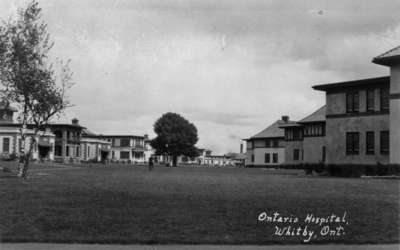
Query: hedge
345, 170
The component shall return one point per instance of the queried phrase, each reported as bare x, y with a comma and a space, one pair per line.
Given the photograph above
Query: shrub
6, 170
357, 170
346, 170
8, 157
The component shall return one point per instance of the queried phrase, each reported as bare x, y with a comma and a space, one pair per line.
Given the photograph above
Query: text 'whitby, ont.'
308, 228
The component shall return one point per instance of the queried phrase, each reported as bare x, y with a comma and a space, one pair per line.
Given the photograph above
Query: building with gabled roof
94, 148
316, 116
267, 148
305, 139
126, 148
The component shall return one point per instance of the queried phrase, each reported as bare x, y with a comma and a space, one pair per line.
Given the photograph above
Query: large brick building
360, 124
357, 121
391, 59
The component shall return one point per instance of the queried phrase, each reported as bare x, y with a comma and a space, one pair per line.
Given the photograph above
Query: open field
189, 205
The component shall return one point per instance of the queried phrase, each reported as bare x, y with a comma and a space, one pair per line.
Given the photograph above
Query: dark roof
389, 57
10, 124
68, 125
354, 83
86, 132
289, 124
120, 136
272, 131
236, 156
317, 116
52, 125
6, 105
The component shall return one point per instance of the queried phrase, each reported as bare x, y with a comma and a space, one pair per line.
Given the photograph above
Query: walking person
150, 163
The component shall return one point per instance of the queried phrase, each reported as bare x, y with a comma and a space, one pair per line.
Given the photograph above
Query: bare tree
29, 80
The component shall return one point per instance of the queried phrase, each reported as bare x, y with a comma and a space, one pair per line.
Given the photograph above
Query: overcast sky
230, 67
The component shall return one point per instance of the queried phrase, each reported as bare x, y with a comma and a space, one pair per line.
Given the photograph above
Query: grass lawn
128, 204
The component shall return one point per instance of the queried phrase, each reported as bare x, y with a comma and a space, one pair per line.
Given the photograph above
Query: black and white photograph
199, 124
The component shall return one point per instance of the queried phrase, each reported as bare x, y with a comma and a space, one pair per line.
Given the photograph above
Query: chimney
75, 121
285, 118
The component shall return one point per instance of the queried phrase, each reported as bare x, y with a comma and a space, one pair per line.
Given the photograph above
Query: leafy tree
176, 136
28, 78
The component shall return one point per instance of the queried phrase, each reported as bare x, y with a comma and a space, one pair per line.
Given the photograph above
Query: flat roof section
389, 57
354, 83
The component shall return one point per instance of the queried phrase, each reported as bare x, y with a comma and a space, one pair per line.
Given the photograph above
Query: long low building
126, 148
68, 142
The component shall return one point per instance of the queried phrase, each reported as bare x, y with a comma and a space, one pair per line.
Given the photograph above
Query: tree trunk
174, 160
24, 165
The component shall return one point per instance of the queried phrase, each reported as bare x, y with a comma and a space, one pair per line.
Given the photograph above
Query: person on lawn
150, 163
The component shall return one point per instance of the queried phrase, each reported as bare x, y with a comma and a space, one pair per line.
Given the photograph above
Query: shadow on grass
8, 176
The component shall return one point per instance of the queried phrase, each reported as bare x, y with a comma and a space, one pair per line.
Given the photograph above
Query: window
296, 154
58, 150
384, 142
88, 151
6, 145
314, 129
293, 134
352, 102
77, 151
267, 158
268, 143
275, 143
113, 154
124, 154
370, 143
58, 134
352, 143
67, 151
370, 100
252, 158
20, 145
125, 142
384, 99
275, 158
